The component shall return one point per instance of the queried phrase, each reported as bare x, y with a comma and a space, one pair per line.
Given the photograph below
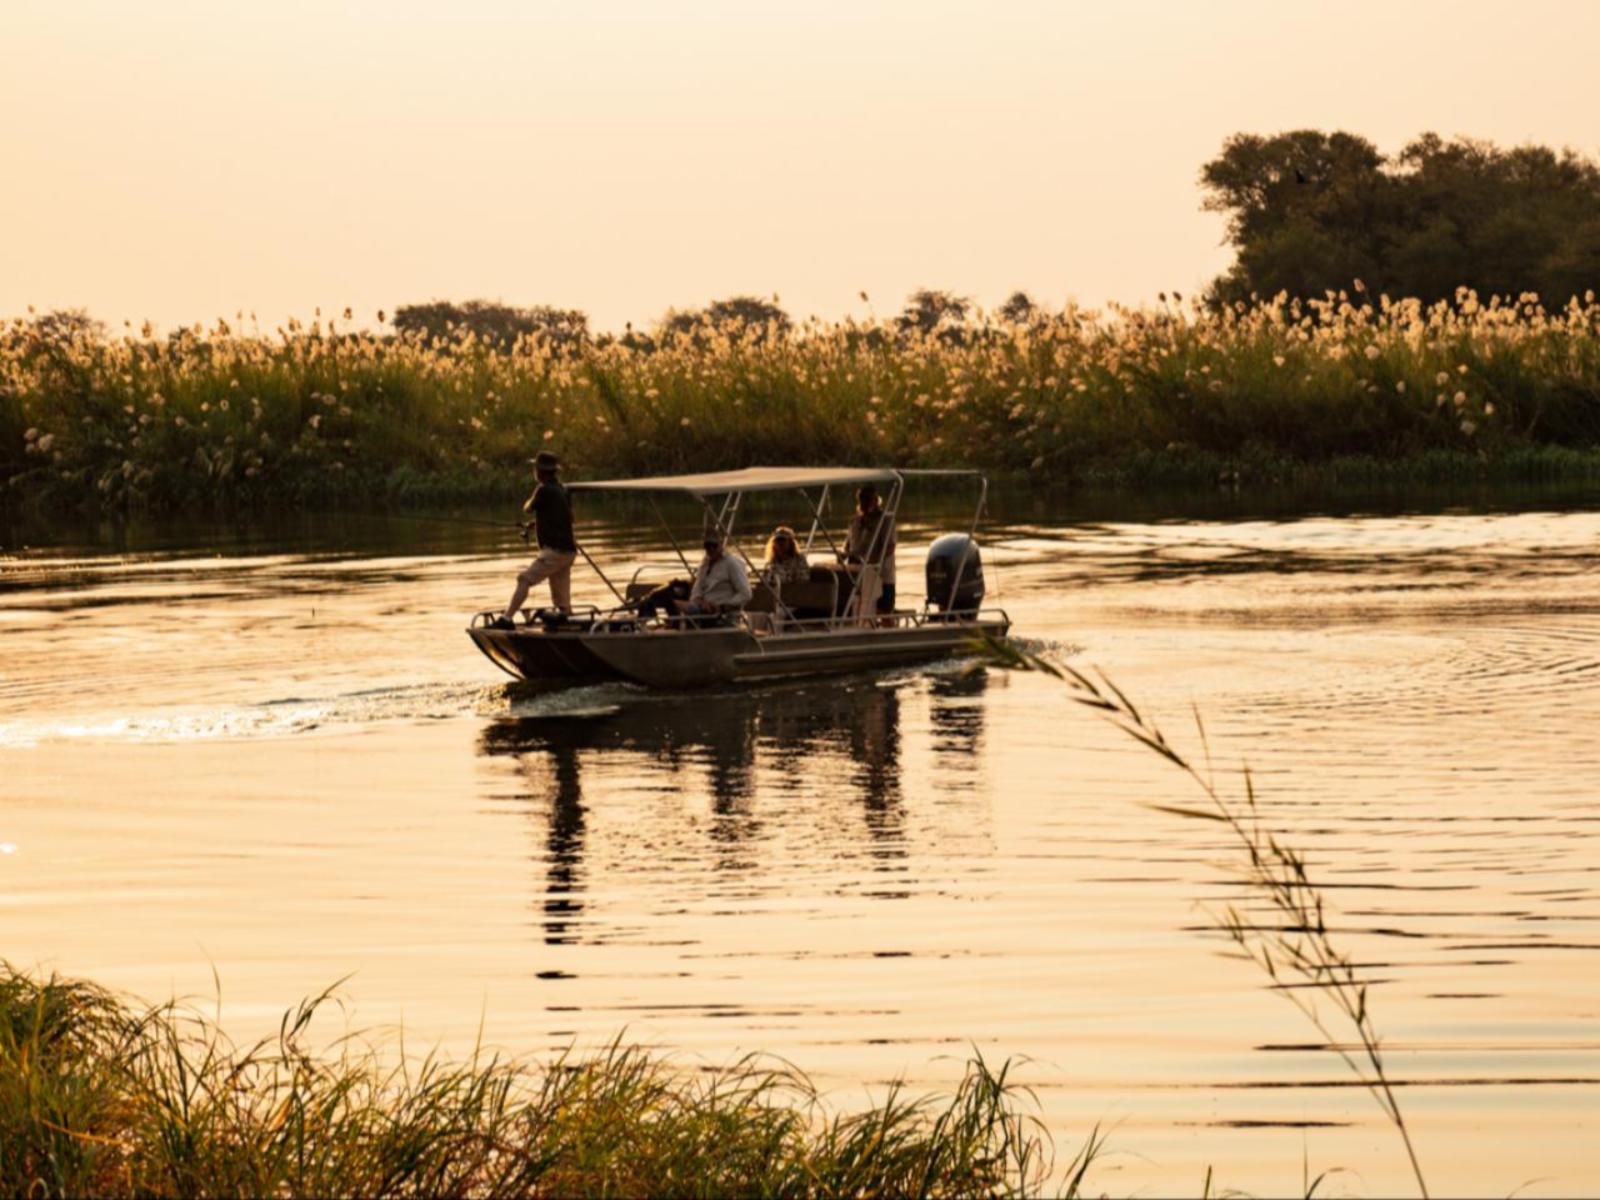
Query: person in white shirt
720, 585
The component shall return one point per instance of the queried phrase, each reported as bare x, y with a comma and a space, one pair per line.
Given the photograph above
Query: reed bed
320, 413
100, 1098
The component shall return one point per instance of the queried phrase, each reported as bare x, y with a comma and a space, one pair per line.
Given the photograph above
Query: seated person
784, 562
721, 585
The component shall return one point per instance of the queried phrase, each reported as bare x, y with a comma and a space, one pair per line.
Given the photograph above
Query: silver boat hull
690, 658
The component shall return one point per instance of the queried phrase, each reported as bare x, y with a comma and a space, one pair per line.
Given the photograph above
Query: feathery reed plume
1282, 389
1297, 951
100, 1099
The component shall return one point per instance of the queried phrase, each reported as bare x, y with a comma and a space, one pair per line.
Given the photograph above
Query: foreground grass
312, 414
97, 1098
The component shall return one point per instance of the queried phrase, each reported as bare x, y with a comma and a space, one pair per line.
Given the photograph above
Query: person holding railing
871, 543
551, 510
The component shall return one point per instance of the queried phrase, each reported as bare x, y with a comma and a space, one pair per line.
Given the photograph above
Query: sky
180, 162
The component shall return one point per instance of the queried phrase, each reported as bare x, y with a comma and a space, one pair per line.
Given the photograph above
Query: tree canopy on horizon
492, 321
1310, 212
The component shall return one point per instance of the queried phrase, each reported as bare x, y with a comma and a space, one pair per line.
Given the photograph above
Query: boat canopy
750, 479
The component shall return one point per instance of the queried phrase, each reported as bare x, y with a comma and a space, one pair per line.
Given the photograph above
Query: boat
826, 624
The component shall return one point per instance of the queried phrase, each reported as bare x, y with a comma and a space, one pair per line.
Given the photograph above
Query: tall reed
97, 1098
1297, 949
316, 413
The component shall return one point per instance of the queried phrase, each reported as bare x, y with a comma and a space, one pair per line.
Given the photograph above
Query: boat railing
584, 615
670, 567
900, 618
590, 619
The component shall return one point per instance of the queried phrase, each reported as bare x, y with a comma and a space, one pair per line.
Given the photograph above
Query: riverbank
315, 416
101, 1097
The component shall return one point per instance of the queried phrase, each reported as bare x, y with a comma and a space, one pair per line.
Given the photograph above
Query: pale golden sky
181, 161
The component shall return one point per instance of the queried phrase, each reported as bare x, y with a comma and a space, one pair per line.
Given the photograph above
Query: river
269, 752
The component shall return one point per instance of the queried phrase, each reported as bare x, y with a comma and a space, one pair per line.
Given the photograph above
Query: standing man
551, 511
872, 543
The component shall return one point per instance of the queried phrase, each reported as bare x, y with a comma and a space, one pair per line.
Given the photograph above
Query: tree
64, 325
1020, 309
929, 311
1306, 211
1310, 212
1501, 221
491, 321
736, 314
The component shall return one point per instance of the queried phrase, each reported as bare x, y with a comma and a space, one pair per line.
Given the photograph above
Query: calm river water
274, 753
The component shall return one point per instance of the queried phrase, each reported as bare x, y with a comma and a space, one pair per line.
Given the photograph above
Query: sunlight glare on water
279, 756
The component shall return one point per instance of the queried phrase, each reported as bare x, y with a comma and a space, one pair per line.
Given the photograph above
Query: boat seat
806, 599
814, 597
811, 594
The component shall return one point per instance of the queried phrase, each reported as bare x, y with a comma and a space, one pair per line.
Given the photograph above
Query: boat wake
290, 716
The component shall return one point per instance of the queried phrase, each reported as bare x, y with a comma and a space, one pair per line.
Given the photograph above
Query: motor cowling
955, 573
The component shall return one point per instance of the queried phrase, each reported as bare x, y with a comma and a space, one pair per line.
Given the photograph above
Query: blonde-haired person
785, 562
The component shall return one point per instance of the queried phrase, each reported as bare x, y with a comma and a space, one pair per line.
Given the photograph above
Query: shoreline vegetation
100, 1097
1351, 388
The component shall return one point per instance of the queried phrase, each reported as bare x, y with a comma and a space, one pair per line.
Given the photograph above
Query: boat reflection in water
820, 748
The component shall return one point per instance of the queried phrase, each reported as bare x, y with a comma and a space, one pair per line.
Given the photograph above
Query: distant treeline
1309, 212
491, 321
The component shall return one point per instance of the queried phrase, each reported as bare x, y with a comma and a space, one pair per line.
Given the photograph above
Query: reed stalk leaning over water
1298, 952
99, 1099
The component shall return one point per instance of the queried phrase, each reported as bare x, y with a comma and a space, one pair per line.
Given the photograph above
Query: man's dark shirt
553, 513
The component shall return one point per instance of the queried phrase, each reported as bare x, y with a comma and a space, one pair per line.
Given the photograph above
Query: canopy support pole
817, 510
595, 567
725, 533
671, 537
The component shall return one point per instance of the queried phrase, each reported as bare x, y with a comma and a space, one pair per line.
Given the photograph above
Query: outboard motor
954, 565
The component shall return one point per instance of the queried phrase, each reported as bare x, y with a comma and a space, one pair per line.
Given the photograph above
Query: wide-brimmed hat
546, 461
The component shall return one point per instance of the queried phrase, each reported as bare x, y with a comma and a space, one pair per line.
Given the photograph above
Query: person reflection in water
748, 757
956, 717
563, 906
875, 747
546, 754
